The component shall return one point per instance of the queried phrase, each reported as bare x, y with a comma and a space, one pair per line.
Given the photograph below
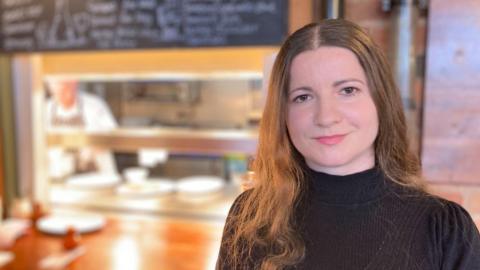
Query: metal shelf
180, 140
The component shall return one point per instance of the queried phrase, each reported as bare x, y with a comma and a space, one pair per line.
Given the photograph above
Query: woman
337, 187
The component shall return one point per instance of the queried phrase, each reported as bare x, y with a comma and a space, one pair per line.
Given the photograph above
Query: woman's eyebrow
337, 83
299, 88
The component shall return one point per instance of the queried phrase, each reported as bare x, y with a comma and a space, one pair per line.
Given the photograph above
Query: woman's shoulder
455, 235
444, 207
239, 202
231, 223
444, 227
454, 238
447, 214
436, 208
443, 216
448, 217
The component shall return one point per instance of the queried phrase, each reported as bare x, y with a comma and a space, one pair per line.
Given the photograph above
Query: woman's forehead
327, 62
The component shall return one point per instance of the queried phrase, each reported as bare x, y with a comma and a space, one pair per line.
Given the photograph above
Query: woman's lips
330, 140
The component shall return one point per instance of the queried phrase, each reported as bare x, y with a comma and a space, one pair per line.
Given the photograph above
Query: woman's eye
348, 91
301, 98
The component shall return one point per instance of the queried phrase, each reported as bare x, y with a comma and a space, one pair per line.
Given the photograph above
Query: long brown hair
266, 220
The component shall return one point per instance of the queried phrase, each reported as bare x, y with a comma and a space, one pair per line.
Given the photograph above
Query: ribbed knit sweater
364, 221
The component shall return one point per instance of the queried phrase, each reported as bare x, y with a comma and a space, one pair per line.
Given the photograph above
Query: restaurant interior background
187, 116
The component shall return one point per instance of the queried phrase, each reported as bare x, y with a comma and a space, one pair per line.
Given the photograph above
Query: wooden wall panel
300, 14
451, 130
2, 171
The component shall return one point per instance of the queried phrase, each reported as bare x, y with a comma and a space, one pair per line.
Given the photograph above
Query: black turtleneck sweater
365, 221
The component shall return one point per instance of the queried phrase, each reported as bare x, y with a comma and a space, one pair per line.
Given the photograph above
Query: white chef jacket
96, 116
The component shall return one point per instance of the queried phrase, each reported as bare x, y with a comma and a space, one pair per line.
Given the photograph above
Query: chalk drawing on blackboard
126, 33
41, 34
81, 21
49, 25
65, 30
169, 21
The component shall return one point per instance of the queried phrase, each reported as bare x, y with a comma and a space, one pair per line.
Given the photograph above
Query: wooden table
130, 243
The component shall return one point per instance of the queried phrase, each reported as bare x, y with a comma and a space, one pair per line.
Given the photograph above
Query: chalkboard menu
50, 25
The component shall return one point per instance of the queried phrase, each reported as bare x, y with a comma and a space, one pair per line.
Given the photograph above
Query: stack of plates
93, 181
149, 187
199, 188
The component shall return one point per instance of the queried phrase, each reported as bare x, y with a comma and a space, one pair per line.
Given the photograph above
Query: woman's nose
327, 112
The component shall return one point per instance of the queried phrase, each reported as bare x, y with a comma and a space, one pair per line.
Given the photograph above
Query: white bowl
135, 174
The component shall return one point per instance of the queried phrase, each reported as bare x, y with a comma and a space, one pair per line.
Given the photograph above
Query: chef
69, 107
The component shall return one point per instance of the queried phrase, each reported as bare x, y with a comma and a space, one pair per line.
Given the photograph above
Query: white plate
93, 180
59, 223
200, 185
151, 187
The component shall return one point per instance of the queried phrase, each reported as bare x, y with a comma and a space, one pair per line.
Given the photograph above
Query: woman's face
331, 117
